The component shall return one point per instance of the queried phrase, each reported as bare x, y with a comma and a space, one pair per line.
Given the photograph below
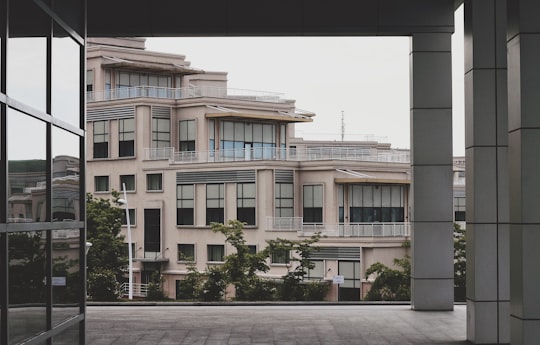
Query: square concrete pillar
431, 160
523, 44
487, 172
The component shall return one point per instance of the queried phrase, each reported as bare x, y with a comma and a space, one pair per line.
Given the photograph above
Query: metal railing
139, 290
184, 93
295, 224
273, 153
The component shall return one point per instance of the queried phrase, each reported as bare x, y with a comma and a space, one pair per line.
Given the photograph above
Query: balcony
184, 93
295, 224
273, 153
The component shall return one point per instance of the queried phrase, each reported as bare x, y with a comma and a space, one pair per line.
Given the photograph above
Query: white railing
139, 290
397, 229
284, 223
184, 93
273, 153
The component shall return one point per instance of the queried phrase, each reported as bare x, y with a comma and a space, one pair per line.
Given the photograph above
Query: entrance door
350, 289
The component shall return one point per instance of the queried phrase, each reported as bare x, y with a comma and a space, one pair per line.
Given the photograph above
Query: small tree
460, 262
190, 287
106, 259
214, 287
292, 288
241, 268
390, 284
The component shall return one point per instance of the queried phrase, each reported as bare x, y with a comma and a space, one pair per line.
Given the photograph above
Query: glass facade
42, 235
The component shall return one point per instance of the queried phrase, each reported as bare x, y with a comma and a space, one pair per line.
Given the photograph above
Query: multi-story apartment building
191, 151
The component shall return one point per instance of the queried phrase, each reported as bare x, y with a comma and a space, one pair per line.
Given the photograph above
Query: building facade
191, 151
42, 237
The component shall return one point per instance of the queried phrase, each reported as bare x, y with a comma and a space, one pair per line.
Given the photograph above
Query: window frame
280, 257
96, 190
160, 182
242, 199
122, 180
180, 200
186, 258
132, 218
187, 142
105, 136
157, 142
306, 202
122, 134
221, 202
209, 247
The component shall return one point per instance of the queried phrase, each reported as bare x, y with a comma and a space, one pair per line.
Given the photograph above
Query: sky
365, 80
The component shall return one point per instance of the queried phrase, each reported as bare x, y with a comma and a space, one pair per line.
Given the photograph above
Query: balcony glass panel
66, 188
27, 168
66, 274
65, 79
27, 285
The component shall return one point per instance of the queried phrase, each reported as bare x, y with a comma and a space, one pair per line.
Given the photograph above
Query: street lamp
130, 254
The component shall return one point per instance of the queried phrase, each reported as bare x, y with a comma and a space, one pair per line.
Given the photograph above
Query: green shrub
102, 285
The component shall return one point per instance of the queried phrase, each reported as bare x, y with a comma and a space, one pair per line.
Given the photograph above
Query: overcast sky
366, 78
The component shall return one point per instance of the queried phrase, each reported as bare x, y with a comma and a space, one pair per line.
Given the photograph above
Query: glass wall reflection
65, 78
66, 188
65, 274
69, 337
27, 285
27, 168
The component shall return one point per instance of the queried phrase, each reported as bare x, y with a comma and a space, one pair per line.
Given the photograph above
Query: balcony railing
295, 224
138, 290
184, 93
273, 153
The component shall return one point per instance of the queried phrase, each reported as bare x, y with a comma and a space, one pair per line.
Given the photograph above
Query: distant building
192, 151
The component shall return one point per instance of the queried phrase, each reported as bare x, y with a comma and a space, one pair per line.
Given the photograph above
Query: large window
101, 183
126, 137
185, 204
152, 231
128, 82
187, 135
132, 217
186, 252
154, 182
101, 139
216, 252
376, 203
284, 202
245, 203
215, 203
313, 204
247, 140
161, 132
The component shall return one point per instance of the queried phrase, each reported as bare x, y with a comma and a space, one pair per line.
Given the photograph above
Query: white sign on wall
338, 280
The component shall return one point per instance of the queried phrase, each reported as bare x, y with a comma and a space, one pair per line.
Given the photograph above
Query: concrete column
486, 144
431, 165
523, 44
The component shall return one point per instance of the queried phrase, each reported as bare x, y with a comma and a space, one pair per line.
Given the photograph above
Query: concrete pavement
273, 324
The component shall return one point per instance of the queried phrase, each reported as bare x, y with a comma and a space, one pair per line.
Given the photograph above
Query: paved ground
275, 324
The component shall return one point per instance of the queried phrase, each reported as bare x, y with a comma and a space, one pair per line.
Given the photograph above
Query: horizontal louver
110, 113
194, 177
161, 112
284, 176
337, 253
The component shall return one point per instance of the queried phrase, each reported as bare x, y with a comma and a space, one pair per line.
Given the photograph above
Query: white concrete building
192, 151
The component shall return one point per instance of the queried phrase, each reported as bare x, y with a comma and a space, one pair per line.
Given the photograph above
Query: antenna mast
342, 125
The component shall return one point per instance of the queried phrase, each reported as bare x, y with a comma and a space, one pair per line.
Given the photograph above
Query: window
126, 135
187, 135
252, 249
281, 256
161, 132
215, 211
186, 252
152, 231
185, 204
313, 204
90, 85
258, 140
211, 137
317, 272
132, 218
459, 209
284, 200
376, 203
101, 139
216, 252
101, 183
154, 182
129, 181
245, 203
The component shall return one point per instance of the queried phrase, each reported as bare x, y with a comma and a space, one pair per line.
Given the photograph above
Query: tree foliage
107, 258
460, 259
390, 284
